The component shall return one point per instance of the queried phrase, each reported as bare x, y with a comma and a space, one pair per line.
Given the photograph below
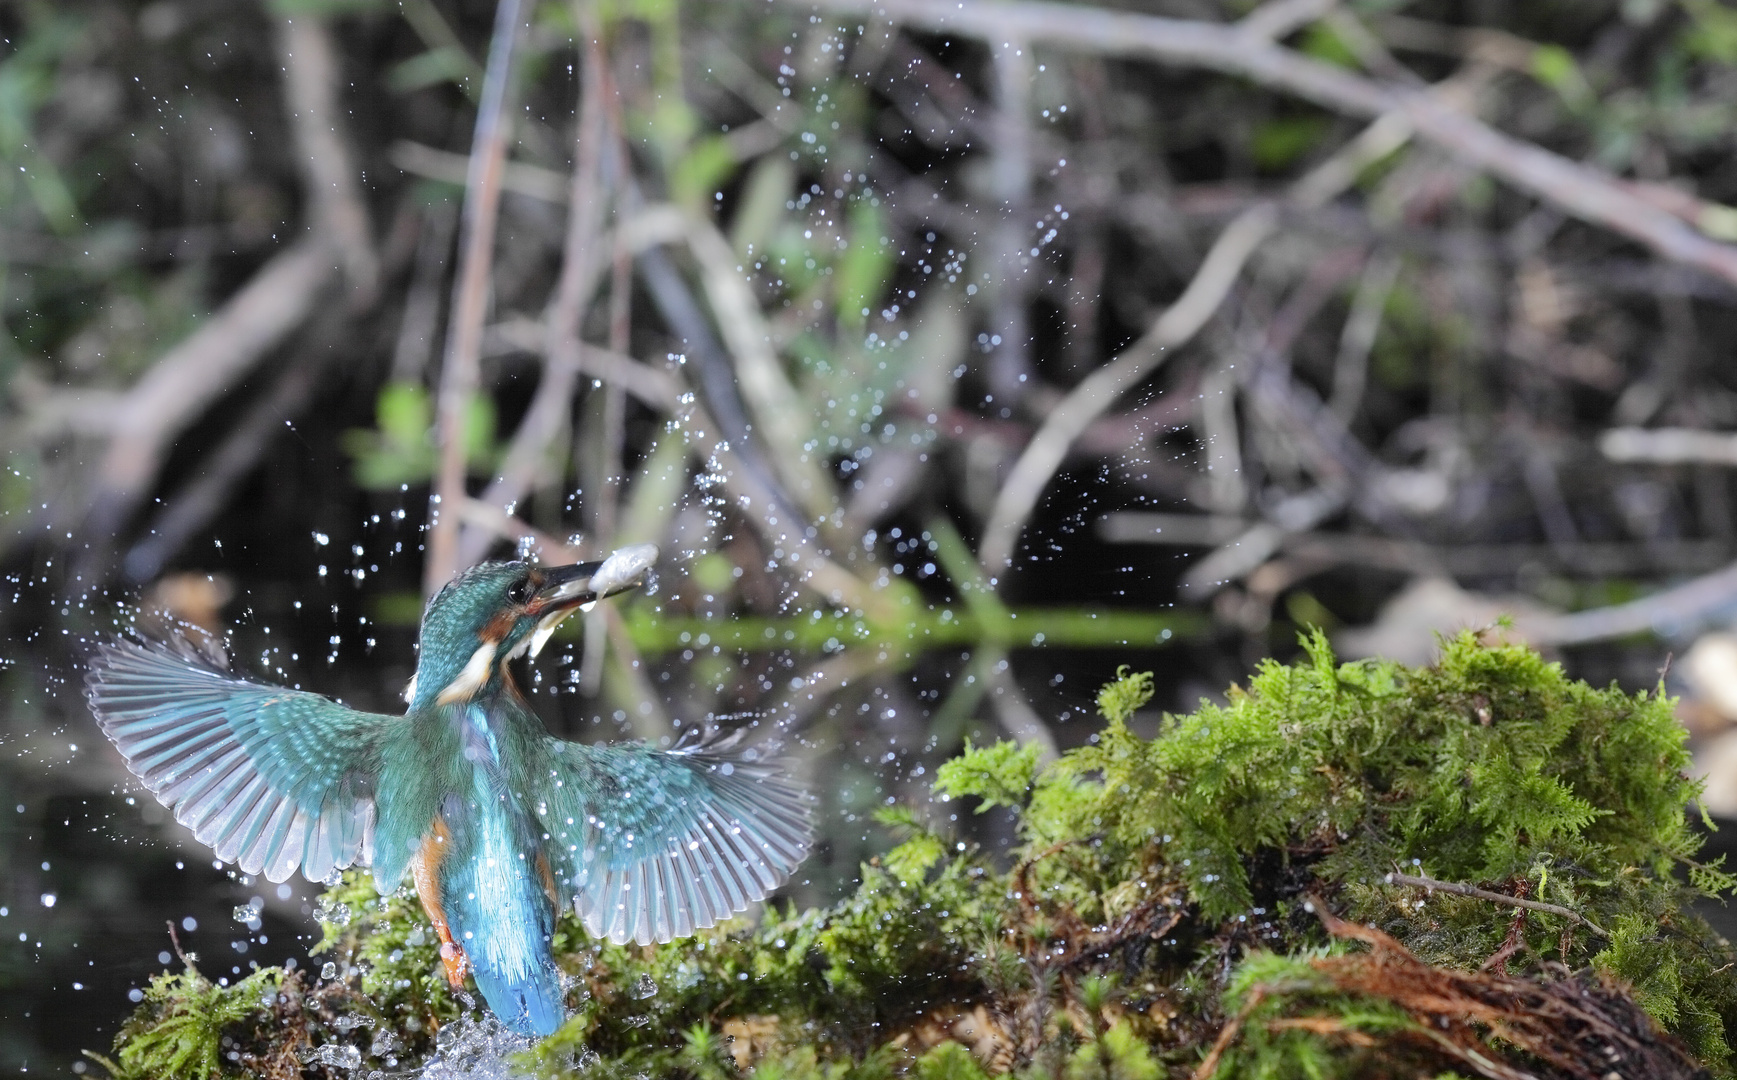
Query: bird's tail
530, 1005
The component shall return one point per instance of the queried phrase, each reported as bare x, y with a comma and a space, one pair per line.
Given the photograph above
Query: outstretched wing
653, 844
271, 779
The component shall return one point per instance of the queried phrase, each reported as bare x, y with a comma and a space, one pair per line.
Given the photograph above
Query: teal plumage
498, 823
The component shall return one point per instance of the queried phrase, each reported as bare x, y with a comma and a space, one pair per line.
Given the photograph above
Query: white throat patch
471, 679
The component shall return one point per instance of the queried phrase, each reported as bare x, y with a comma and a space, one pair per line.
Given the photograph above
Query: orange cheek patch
497, 628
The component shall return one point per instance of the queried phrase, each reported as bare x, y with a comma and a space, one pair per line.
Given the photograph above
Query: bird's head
492, 613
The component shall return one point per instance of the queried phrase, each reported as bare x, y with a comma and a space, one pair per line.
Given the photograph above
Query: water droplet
333, 1054
644, 988
245, 913
330, 911
328, 970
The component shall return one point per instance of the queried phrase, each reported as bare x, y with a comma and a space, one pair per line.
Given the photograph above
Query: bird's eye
520, 591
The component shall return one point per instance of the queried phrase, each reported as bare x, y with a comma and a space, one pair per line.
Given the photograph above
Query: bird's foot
456, 962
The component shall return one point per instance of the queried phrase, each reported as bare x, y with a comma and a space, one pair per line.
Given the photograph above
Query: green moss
1157, 893
178, 1030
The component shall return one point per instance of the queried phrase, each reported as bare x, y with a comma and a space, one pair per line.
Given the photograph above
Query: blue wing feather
271, 779
650, 845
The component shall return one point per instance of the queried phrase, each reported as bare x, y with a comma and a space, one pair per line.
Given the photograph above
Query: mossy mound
1173, 910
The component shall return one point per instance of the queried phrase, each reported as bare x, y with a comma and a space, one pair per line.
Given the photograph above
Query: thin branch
547, 548
1175, 327
1357, 339
458, 382
532, 181
781, 416
1010, 170
580, 272
334, 184
1276, 20
261, 314
1669, 446
1588, 193
657, 389
1694, 601
1473, 891
1329, 549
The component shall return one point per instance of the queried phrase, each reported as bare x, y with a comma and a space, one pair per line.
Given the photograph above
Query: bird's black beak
580, 585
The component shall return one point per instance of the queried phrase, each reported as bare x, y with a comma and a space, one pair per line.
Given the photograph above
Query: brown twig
1209, 1064
532, 181
1576, 1025
1415, 881
458, 380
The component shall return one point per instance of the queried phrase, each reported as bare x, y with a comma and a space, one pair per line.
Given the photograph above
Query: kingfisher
499, 825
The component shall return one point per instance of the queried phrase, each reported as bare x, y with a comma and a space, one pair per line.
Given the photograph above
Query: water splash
474, 1048
329, 911
336, 1055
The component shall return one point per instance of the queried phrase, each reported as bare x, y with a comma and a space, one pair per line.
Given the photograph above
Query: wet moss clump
1327, 876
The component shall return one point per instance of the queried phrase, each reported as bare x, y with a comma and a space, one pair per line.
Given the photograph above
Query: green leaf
700, 171
325, 9
999, 775
761, 206
911, 860
443, 64
1556, 68
1120, 700
1276, 144
865, 266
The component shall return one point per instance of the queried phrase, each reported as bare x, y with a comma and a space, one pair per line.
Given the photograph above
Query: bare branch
1585, 192
1351, 367
484, 515
533, 181
657, 389
1279, 19
1496, 898
458, 380
1693, 601
253, 321
334, 184
1669, 446
780, 413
